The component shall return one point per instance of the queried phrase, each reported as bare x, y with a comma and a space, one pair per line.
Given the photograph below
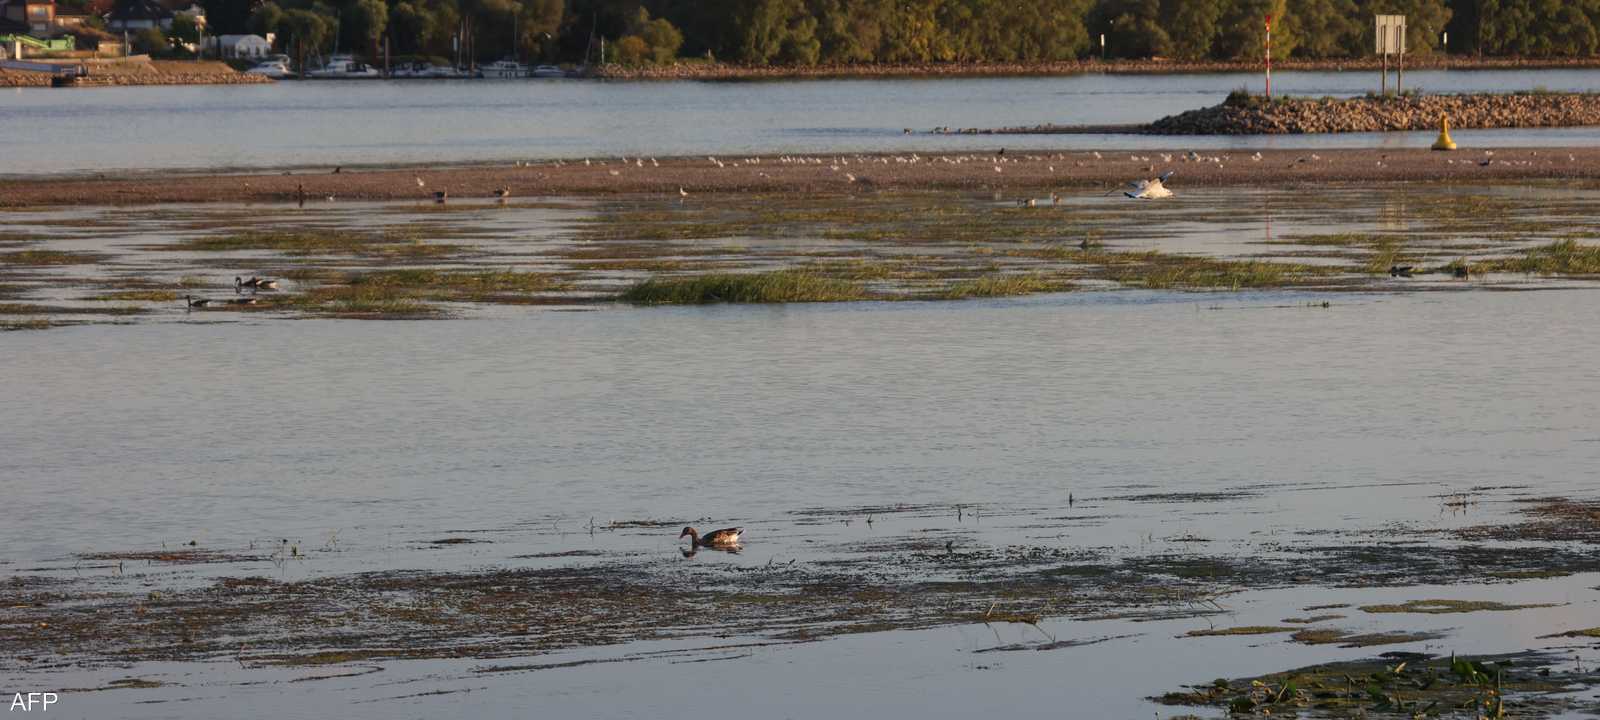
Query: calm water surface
308, 123
123, 437
528, 423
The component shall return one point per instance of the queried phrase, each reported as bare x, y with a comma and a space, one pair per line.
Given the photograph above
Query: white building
252, 47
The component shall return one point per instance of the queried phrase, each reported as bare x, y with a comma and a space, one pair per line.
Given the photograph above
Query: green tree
1191, 26
1327, 28
265, 19
305, 31
151, 41
361, 24
1242, 30
184, 29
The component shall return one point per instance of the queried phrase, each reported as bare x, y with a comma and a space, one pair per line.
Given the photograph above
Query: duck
725, 537
1402, 270
243, 301
439, 196
502, 193
196, 302
265, 284
239, 283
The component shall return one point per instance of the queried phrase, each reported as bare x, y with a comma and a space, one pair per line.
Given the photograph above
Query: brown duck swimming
725, 537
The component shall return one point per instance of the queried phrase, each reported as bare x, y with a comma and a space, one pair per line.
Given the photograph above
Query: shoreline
811, 173
720, 71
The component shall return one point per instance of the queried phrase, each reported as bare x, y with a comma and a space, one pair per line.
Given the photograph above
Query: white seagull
1152, 189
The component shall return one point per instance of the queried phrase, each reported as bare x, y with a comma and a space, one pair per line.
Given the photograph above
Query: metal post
1383, 86
1269, 57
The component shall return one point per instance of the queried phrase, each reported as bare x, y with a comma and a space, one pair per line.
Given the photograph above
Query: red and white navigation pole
1269, 57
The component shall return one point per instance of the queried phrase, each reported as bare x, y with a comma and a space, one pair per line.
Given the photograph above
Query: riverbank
722, 71
129, 71
1015, 169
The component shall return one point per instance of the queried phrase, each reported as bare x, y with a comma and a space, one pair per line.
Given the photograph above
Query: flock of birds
240, 285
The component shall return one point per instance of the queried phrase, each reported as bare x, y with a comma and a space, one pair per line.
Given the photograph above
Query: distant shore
699, 70
816, 173
137, 71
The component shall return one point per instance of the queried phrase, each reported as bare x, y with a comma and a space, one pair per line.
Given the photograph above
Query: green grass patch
782, 286
1002, 286
1563, 257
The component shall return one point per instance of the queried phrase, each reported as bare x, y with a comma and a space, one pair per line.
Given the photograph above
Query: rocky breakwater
1254, 115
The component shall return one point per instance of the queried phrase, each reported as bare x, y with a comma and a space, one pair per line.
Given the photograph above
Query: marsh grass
1563, 257
1241, 630
33, 324
1443, 607
990, 286
49, 257
138, 296
374, 302
31, 309
319, 241
781, 286
1173, 271
456, 285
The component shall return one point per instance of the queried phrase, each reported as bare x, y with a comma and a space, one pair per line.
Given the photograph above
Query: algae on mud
1525, 685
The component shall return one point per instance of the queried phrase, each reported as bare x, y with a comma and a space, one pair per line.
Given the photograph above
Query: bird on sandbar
726, 537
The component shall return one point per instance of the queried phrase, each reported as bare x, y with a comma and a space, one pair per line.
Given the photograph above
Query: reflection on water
100, 129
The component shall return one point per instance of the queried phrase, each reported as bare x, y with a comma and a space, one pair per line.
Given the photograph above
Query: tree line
807, 32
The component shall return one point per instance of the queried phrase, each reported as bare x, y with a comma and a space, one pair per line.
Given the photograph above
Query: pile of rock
1258, 116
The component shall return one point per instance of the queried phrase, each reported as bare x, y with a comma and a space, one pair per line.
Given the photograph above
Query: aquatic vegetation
781, 286
1563, 257
1593, 632
32, 309
1410, 686
318, 241
49, 257
1346, 639
1312, 620
1002, 286
1241, 630
139, 295
1441, 607
1173, 271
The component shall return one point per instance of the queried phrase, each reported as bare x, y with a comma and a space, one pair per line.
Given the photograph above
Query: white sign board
1391, 34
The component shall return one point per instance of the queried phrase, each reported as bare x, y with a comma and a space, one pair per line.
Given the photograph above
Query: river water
524, 426
47, 131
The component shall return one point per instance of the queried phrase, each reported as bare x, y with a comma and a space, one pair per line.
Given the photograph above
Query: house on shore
28, 17
131, 15
246, 47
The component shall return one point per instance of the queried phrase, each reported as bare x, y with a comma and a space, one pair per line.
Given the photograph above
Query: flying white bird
1152, 189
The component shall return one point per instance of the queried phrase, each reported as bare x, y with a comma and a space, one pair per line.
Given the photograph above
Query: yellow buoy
1444, 142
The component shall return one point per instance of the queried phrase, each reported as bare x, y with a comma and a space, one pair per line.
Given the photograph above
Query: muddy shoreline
1016, 168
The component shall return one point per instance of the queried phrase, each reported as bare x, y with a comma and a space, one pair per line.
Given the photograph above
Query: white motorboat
549, 71
344, 67
504, 69
275, 69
